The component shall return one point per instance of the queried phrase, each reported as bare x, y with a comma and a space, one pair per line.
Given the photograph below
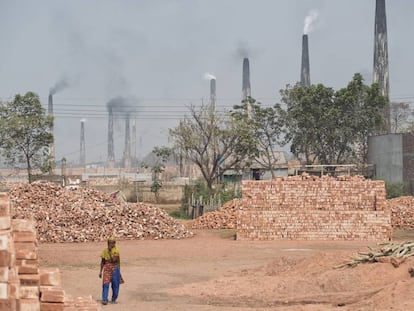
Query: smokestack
134, 140
111, 152
381, 71
51, 150
246, 80
305, 72
50, 105
127, 150
213, 94
82, 159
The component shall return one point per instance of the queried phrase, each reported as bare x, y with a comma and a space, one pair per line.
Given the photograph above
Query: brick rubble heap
88, 215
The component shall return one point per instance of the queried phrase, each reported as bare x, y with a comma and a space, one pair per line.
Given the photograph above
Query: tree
401, 117
265, 130
25, 132
162, 154
213, 142
331, 127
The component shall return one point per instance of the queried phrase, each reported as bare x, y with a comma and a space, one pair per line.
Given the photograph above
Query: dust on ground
212, 271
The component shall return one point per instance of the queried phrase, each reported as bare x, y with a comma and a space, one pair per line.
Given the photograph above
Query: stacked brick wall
24, 285
313, 208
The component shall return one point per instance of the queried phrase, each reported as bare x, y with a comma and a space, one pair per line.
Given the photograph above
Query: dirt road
212, 271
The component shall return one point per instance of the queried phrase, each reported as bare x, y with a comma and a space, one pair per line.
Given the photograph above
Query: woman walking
110, 271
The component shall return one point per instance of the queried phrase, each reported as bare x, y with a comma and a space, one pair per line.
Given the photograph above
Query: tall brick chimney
82, 159
127, 150
111, 152
381, 71
305, 72
246, 80
51, 148
213, 94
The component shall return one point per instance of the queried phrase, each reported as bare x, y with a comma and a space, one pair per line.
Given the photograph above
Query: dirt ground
212, 271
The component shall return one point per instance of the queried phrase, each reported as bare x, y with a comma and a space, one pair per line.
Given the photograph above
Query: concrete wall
408, 162
170, 194
386, 152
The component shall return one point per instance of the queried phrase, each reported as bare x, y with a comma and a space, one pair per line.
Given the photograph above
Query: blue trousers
115, 281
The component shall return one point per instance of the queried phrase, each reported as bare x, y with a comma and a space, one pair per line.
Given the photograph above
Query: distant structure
51, 149
381, 71
82, 158
111, 152
305, 72
213, 94
246, 89
127, 150
134, 140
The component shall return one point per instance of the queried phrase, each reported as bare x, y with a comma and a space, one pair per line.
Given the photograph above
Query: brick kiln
312, 208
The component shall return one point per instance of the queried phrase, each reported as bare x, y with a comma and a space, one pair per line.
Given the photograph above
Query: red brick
52, 294
29, 279
28, 305
50, 306
50, 276
24, 236
4, 274
4, 290
5, 222
4, 208
23, 225
8, 304
5, 240
25, 250
5, 258
29, 292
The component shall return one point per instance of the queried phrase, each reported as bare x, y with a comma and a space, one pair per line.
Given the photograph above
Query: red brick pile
402, 212
305, 208
84, 214
24, 286
225, 218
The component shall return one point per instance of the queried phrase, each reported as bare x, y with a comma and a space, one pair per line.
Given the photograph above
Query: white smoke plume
209, 76
310, 21
83, 120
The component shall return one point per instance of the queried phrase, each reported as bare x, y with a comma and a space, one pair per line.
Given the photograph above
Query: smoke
123, 106
209, 76
310, 21
243, 50
83, 120
60, 85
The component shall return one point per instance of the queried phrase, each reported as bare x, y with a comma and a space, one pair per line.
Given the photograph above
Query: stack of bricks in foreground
24, 286
309, 208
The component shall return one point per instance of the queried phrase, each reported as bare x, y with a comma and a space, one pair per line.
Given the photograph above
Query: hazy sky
159, 51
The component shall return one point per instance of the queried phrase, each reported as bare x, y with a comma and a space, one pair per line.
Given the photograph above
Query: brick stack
313, 208
24, 286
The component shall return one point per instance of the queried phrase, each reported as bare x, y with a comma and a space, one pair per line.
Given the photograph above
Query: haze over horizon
160, 55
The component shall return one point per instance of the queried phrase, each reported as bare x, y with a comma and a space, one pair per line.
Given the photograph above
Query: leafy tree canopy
331, 127
25, 132
265, 130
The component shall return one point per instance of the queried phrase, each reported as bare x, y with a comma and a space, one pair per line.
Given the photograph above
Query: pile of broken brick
87, 215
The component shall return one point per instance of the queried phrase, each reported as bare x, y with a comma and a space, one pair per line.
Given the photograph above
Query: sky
158, 53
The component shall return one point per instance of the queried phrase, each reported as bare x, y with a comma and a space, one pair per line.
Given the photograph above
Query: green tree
265, 130
162, 154
214, 142
331, 127
25, 132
